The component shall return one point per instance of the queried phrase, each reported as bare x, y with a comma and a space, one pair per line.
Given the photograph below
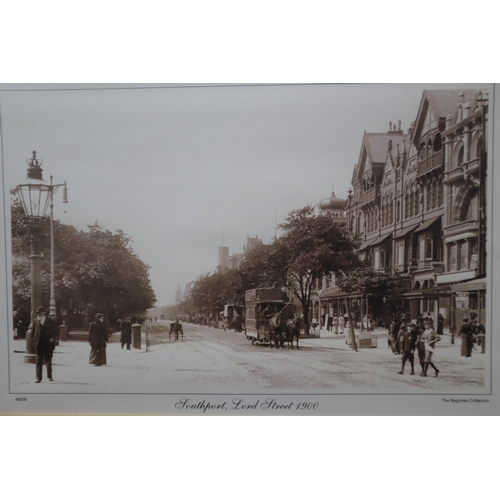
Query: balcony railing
469, 225
432, 161
368, 196
425, 265
464, 169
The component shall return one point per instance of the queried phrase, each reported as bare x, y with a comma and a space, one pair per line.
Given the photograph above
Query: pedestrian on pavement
330, 323
98, 338
440, 325
341, 324
393, 337
430, 338
480, 332
44, 342
314, 324
408, 340
420, 344
467, 334
335, 321
126, 333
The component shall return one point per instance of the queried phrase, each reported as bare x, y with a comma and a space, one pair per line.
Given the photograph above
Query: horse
293, 327
276, 332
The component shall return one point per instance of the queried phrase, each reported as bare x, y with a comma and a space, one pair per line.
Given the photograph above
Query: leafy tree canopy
95, 270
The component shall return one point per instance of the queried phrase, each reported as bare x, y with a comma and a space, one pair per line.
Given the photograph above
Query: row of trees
312, 245
95, 270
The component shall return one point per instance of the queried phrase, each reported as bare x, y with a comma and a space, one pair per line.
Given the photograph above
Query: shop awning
380, 239
462, 236
424, 293
472, 285
427, 224
366, 244
456, 277
406, 231
331, 293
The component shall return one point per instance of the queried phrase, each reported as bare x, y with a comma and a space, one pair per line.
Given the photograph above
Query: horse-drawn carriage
176, 330
270, 317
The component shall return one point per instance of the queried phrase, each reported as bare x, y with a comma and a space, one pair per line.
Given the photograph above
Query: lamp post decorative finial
34, 169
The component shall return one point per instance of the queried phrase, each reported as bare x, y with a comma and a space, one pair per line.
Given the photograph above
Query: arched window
479, 147
470, 206
416, 201
412, 201
407, 202
460, 156
440, 192
391, 212
438, 143
428, 196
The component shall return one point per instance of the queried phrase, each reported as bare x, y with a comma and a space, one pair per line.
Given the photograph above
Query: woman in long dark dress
98, 338
466, 332
440, 325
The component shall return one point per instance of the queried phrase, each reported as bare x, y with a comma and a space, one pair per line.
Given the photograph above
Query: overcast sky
172, 167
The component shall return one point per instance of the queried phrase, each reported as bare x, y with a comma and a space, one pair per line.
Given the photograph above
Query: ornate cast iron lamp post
36, 196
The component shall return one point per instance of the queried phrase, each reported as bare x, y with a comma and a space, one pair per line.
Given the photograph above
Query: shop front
466, 298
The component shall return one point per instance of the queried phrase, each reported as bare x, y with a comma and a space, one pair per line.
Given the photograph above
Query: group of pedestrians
471, 332
406, 337
44, 336
335, 324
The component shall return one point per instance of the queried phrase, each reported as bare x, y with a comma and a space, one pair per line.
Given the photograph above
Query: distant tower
252, 244
178, 294
187, 291
223, 258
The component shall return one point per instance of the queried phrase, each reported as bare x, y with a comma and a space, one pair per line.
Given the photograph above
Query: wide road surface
211, 361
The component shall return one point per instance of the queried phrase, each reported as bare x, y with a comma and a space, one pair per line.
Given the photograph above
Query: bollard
136, 335
63, 332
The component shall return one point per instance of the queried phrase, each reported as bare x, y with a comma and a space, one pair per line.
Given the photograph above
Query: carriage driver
268, 312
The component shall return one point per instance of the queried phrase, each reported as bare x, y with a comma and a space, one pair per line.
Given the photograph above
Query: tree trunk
352, 336
305, 312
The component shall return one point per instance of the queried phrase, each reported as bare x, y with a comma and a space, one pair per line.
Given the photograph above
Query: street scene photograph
248, 239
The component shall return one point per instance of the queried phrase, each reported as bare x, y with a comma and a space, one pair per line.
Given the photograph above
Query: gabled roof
441, 102
375, 146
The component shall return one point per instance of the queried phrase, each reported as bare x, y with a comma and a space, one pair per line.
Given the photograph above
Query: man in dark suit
408, 339
44, 341
126, 333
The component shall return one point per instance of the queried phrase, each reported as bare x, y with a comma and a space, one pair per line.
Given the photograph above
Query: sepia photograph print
237, 249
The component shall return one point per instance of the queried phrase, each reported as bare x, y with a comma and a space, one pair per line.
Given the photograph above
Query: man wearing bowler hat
44, 341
